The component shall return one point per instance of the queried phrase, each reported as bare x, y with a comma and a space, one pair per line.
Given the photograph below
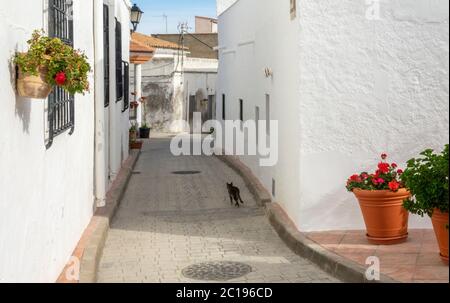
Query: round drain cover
216, 271
186, 172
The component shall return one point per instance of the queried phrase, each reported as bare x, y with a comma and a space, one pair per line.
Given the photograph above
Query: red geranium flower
377, 174
394, 165
384, 156
400, 171
364, 176
383, 167
355, 178
380, 181
60, 78
394, 185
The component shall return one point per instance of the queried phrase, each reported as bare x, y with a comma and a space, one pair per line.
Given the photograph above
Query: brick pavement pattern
168, 222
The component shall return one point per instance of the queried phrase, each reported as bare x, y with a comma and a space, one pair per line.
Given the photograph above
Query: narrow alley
176, 224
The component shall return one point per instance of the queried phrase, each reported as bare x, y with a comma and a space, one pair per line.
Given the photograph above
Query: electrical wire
200, 41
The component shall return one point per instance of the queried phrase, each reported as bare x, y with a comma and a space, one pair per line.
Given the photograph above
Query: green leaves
55, 56
427, 179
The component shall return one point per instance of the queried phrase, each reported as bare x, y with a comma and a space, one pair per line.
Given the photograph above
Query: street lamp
135, 16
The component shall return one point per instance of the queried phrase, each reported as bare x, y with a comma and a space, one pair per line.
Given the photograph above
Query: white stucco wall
344, 89
366, 87
167, 88
46, 196
118, 128
223, 5
255, 35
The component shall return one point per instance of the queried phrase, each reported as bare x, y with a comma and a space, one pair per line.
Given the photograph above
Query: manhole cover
186, 172
216, 271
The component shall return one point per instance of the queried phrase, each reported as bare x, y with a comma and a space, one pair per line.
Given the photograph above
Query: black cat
235, 194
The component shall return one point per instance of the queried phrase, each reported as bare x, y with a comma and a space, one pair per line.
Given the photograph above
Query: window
268, 114
119, 65
106, 53
223, 107
126, 86
61, 109
293, 9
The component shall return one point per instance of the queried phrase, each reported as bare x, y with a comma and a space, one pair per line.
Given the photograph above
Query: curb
261, 195
339, 267
101, 220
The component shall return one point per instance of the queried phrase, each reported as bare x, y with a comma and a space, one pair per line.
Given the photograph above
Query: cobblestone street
168, 222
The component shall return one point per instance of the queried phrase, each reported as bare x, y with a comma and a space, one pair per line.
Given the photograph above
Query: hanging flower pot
134, 105
50, 62
427, 179
33, 86
381, 197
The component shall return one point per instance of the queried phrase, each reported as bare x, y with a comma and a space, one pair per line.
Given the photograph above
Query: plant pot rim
359, 190
380, 193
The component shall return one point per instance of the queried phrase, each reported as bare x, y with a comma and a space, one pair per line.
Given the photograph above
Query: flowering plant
427, 179
65, 67
386, 177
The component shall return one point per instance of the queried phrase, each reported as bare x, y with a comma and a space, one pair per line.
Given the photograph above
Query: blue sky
176, 11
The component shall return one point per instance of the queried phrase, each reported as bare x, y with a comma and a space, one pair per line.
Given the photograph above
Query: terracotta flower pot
136, 145
440, 225
385, 218
31, 86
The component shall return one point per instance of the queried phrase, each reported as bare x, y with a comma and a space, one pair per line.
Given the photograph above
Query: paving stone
169, 222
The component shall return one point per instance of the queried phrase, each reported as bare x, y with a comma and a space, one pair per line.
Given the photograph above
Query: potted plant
136, 144
50, 62
133, 132
134, 104
427, 180
144, 131
381, 197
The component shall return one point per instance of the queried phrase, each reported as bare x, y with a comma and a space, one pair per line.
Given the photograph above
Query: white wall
366, 87
249, 43
46, 196
167, 89
223, 5
119, 123
344, 90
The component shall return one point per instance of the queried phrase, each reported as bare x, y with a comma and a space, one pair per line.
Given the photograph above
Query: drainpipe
138, 91
100, 139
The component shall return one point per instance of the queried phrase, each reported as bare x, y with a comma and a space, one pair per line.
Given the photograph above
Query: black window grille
61, 109
119, 65
126, 86
106, 53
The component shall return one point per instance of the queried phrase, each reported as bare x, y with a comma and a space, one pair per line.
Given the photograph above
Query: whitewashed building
175, 85
57, 168
346, 81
